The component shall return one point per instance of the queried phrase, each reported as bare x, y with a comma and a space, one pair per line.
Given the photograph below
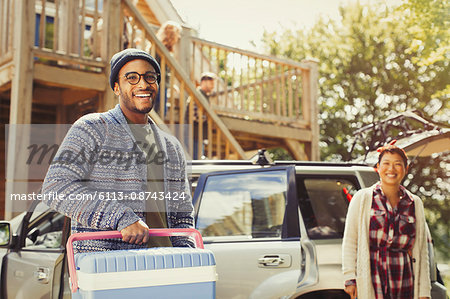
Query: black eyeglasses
134, 77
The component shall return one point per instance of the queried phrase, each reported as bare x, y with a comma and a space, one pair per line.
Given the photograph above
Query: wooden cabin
54, 68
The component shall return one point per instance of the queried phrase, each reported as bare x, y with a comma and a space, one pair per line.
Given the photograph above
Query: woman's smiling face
391, 169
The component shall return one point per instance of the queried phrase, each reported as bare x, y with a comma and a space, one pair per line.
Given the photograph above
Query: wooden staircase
261, 101
186, 108
264, 101
56, 54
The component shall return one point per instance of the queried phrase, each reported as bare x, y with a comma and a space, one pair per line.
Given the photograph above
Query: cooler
176, 272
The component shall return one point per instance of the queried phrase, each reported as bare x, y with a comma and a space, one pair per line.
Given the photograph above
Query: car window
369, 178
250, 204
323, 204
45, 232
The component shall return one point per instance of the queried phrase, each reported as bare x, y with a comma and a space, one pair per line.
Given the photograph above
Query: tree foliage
377, 61
430, 31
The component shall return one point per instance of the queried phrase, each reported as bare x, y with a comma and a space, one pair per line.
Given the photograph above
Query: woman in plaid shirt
385, 252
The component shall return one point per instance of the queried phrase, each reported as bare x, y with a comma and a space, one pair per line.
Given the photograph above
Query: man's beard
132, 106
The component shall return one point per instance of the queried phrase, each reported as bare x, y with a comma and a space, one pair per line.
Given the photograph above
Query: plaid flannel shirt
392, 234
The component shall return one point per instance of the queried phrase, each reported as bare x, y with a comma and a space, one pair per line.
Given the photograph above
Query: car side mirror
5, 235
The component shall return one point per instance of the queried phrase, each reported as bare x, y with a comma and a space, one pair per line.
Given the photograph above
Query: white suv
276, 230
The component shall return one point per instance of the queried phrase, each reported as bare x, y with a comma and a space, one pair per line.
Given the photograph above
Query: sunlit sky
237, 22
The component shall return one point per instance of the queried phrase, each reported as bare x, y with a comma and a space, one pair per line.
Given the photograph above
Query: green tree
430, 34
369, 70
428, 178
430, 29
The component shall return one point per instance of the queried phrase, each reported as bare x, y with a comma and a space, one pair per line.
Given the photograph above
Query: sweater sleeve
424, 274
350, 240
69, 174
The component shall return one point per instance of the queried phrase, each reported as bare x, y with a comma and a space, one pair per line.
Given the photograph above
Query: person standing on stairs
207, 84
206, 88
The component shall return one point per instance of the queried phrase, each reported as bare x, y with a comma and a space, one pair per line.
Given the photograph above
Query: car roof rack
275, 163
410, 129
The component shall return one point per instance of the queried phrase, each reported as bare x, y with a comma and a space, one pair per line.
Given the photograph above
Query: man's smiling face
136, 100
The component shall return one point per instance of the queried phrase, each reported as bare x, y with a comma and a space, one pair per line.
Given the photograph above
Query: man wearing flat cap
207, 82
118, 171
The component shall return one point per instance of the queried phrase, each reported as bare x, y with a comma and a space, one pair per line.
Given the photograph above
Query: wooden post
83, 26
42, 25
218, 97
296, 149
172, 104
56, 35
241, 84
111, 45
279, 97
192, 65
306, 94
185, 48
62, 26
5, 28
21, 98
191, 127
296, 96
270, 89
261, 89
210, 137
233, 76
225, 79
248, 84
181, 116
312, 149
290, 94
200, 149
255, 87
162, 89
227, 150
75, 31
95, 35
218, 144
283, 91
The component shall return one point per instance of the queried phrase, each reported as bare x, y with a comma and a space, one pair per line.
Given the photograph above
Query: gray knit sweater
98, 175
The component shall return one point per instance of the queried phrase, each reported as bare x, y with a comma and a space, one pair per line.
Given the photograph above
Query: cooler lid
143, 259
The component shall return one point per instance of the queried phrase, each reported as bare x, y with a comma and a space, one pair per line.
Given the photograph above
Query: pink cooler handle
156, 232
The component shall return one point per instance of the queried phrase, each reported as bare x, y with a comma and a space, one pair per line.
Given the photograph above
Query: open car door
249, 219
34, 265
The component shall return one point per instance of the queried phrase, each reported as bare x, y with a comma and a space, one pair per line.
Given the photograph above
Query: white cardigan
355, 246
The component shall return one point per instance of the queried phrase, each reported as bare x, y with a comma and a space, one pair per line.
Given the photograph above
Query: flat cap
121, 58
207, 76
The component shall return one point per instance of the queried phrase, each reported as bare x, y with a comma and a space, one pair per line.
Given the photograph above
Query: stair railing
185, 111
69, 33
255, 86
6, 30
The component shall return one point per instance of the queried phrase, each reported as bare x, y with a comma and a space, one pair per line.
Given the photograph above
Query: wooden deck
62, 61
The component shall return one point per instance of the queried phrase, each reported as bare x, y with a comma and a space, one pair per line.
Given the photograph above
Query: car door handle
42, 274
276, 260
270, 261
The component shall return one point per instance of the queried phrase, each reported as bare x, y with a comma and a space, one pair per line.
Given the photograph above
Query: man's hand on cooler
136, 233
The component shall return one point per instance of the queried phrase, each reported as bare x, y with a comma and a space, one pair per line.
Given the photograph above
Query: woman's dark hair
392, 149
